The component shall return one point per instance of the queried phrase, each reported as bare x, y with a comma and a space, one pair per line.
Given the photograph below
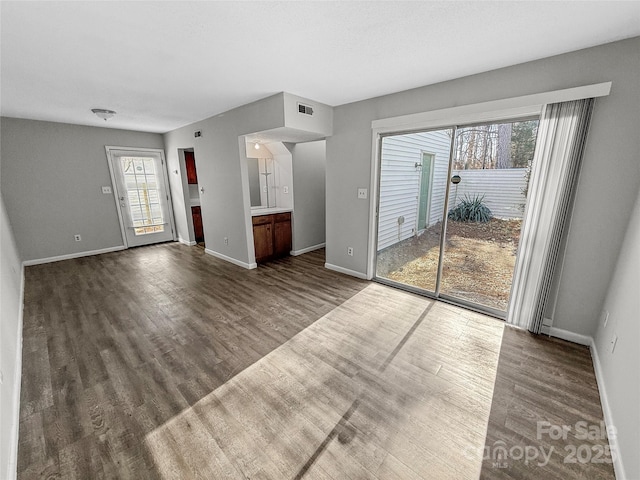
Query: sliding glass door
413, 188
450, 208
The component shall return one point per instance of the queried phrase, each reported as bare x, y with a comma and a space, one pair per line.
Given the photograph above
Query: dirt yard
478, 262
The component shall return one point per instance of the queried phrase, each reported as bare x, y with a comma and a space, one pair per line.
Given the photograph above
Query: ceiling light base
103, 113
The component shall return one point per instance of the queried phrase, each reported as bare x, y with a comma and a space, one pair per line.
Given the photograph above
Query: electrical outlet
362, 193
106, 190
614, 340
350, 251
226, 240
77, 237
285, 190
606, 318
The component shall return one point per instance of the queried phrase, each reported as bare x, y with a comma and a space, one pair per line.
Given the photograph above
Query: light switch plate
106, 190
362, 193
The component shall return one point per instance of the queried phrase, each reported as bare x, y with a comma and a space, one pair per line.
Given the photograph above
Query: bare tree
507, 145
485, 147
503, 149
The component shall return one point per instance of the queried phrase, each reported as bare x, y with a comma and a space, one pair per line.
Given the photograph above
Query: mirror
261, 182
254, 182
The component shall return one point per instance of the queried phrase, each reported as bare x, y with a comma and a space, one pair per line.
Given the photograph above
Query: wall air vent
305, 109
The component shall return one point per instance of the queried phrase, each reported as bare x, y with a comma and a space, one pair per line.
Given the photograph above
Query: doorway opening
450, 209
194, 196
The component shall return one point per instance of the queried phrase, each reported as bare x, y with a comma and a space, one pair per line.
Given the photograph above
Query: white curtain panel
562, 134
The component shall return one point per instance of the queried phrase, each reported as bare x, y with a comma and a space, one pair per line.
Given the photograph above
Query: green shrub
470, 210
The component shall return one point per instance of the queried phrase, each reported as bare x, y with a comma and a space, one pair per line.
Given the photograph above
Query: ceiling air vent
305, 109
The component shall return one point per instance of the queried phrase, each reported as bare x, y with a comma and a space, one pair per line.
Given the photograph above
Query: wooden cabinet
282, 235
263, 242
190, 163
272, 236
197, 224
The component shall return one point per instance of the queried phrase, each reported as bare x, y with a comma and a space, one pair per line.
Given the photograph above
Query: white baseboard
69, 256
346, 271
604, 400
618, 466
190, 243
221, 256
295, 253
570, 336
17, 384
547, 325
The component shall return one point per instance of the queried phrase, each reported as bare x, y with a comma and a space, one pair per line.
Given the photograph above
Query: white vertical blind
561, 137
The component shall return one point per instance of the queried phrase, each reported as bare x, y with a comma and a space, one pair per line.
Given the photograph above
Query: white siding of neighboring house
400, 183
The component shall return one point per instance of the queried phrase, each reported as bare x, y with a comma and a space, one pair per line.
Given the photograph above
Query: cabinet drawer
261, 220
282, 217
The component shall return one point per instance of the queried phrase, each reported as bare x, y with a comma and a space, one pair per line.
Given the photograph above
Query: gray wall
320, 122
10, 338
620, 377
225, 202
52, 175
309, 165
607, 188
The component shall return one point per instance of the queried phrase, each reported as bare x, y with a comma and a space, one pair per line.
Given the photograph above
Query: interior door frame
114, 188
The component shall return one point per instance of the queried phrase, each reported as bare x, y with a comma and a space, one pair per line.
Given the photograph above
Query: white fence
502, 190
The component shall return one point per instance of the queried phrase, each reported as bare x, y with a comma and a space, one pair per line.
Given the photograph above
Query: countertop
256, 212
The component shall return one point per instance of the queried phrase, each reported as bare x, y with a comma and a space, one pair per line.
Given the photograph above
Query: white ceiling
162, 65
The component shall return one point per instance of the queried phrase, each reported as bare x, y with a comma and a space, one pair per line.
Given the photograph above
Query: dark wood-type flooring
543, 385
164, 362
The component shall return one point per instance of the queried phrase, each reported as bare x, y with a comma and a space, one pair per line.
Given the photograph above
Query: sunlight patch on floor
386, 384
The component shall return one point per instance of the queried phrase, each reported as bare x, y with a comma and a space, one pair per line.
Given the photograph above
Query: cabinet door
263, 242
197, 224
190, 163
282, 239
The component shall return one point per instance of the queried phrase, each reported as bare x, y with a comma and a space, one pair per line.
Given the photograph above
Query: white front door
142, 194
